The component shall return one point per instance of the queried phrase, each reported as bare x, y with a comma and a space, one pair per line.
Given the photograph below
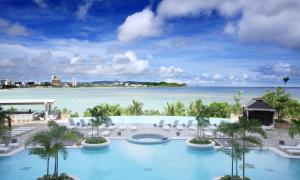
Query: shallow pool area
169, 161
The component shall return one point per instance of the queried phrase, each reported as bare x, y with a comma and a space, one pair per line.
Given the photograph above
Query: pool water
170, 161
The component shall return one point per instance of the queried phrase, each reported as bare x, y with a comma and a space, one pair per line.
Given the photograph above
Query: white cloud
230, 28
282, 68
82, 11
139, 25
169, 71
217, 77
13, 29
41, 3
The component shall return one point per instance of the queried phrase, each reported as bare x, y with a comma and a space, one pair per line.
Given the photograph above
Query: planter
219, 177
95, 146
200, 146
282, 125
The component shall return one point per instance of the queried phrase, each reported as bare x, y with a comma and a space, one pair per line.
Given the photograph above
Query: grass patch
62, 176
228, 177
95, 140
200, 141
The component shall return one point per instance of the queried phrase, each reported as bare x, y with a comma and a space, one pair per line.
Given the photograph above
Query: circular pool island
208, 146
148, 138
102, 145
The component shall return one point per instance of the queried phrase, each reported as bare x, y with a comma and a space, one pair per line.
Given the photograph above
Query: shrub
200, 141
95, 140
62, 176
228, 177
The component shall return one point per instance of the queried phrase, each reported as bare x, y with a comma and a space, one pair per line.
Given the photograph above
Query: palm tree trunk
92, 129
244, 147
236, 166
232, 156
48, 159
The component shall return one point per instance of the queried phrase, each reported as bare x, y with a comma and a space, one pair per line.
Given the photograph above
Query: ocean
79, 99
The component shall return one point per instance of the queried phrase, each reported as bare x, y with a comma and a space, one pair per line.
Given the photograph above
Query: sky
198, 42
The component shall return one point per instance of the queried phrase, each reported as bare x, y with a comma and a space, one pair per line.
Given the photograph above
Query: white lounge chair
133, 128
175, 124
268, 128
111, 127
4, 149
208, 133
105, 133
291, 147
122, 127
161, 123
179, 127
13, 145
71, 123
294, 151
82, 123
166, 127
101, 127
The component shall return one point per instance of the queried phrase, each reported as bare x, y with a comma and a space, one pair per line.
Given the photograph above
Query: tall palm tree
195, 107
230, 129
245, 129
60, 134
4, 129
41, 143
285, 80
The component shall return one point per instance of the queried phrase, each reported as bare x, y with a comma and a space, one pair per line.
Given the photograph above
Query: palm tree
295, 128
98, 117
60, 134
170, 109
230, 129
246, 127
202, 122
4, 129
136, 108
42, 146
285, 80
195, 107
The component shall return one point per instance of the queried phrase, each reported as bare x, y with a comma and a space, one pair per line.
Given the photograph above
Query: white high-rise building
74, 82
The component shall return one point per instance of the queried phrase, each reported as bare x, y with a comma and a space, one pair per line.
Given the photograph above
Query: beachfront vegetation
237, 108
219, 109
286, 107
136, 108
195, 107
48, 144
175, 109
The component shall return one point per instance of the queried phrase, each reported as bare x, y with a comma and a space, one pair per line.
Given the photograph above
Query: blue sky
198, 42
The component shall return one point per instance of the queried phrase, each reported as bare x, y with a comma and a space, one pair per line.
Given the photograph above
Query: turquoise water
79, 99
171, 161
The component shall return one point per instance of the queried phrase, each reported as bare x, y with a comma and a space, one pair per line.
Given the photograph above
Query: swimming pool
170, 161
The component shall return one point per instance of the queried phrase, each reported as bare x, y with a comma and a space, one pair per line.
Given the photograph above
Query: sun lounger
192, 128
105, 133
13, 145
133, 128
267, 128
82, 123
175, 123
161, 123
208, 133
101, 127
291, 147
179, 127
122, 127
294, 151
4, 149
190, 123
111, 128
166, 127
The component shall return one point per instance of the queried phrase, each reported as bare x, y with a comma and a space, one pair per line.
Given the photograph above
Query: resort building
259, 109
55, 81
74, 82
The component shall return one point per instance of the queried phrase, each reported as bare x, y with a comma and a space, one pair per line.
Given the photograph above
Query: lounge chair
208, 133
111, 127
71, 123
82, 123
101, 127
161, 123
291, 147
4, 149
13, 145
166, 127
122, 127
133, 128
179, 127
268, 128
105, 133
190, 125
175, 123
294, 151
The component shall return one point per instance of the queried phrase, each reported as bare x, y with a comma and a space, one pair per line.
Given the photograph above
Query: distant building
74, 82
55, 81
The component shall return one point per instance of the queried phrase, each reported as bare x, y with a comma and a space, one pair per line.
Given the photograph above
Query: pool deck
271, 143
